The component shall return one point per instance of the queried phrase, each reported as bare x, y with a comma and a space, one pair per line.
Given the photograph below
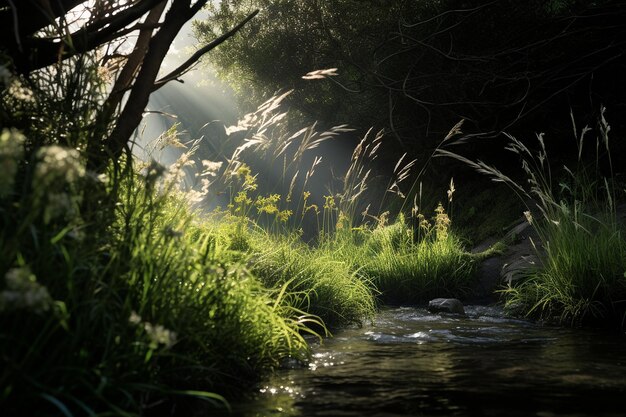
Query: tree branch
178, 14
182, 69
38, 53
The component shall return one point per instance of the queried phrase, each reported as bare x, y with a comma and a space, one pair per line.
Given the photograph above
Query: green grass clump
410, 266
119, 316
319, 282
581, 278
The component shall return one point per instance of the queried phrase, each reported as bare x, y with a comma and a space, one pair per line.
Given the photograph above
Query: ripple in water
411, 362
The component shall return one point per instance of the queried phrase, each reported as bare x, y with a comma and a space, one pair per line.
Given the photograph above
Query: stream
410, 362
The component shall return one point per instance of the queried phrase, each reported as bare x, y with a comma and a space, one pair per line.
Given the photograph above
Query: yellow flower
442, 222
329, 203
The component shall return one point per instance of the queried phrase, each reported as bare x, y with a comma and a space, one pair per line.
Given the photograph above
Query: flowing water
413, 363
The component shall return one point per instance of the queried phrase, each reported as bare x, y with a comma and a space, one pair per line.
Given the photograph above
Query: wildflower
242, 199
57, 171
284, 215
24, 292
104, 74
451, 190
442, 222
529, 217
249, 180
268, 204
159, 335
329, 203
11, 151
134, 318
20, 92
57, 164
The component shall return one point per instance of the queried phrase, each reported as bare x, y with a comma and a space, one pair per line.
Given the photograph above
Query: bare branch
200, 52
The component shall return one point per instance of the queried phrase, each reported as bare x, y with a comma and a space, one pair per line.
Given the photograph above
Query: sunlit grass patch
319, 282
408, 266
145, 310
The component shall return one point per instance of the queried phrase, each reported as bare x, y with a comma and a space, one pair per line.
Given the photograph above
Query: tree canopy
417, 67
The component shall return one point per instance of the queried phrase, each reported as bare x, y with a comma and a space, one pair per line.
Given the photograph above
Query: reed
583, 250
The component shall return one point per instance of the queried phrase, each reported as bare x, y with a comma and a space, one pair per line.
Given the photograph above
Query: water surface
413, 363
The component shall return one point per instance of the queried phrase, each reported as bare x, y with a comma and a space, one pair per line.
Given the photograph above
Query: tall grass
116, 297
582, 277
149, 312
405, 265
357, 252
407, 272
113, 299
319, 282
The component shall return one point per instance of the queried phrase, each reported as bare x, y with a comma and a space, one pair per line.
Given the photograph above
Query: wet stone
446, 305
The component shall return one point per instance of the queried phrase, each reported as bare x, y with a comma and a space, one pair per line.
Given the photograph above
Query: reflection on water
414, 363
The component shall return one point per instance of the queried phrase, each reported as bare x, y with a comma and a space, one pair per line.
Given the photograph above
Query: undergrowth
582, 275
121, 292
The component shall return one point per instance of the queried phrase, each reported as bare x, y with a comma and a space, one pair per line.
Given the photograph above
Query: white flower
54, 178
159, 335
24, 292
19, 92
134, 318
11, 152
57, 163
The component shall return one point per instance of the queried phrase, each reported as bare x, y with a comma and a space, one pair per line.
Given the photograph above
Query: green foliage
290, 38
113, 300
581, 278
415, 67
107, 322
317, 281
410, 266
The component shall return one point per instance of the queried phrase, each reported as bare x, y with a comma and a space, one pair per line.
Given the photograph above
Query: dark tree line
417, 67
